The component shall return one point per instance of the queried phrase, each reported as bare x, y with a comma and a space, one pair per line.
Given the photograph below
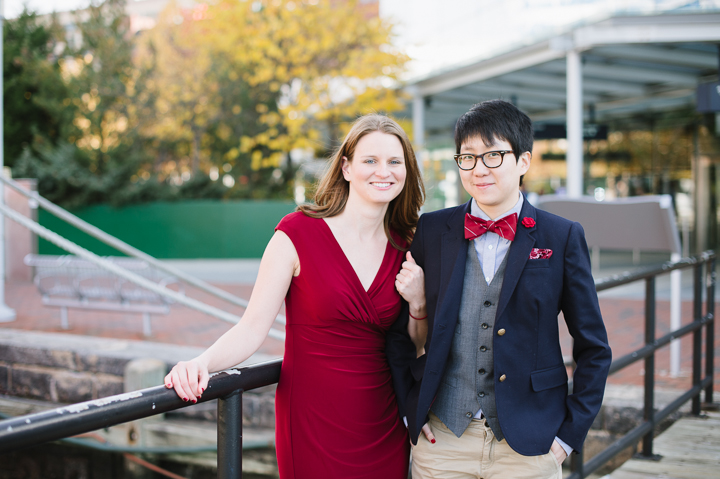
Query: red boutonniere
528, 222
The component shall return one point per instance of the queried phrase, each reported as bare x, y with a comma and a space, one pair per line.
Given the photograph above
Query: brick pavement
623, 319
625, 323
183, 326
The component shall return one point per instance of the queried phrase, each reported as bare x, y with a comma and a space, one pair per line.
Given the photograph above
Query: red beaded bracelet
417, 319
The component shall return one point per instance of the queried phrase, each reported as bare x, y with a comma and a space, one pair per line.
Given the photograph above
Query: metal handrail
651, 418
228, 387
124, 273
125, 248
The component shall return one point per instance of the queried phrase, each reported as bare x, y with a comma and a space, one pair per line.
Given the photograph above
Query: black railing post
649, 407
697, 334
229, 436
577, 461
710, 330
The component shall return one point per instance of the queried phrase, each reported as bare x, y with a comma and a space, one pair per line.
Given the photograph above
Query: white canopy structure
621, 65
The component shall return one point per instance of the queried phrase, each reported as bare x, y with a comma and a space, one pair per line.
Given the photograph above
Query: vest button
468, 414
481, 394
484, 325
483, 348
502, 378
501, 332
481, 371
487, 304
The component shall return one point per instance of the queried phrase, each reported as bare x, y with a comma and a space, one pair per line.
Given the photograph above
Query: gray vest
468, 384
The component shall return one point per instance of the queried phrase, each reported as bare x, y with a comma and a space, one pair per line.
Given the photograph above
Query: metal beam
649, 29
638, 75
6, 313
482, 92
664, 55
574, 125
538, 79
517, 60
556, 93
418, 119
610, 109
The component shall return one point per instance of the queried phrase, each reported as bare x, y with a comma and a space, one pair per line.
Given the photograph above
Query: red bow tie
476, 227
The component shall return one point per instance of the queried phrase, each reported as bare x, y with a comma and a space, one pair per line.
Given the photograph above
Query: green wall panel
188, 229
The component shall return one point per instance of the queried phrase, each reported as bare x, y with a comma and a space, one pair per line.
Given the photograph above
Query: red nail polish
194, 401
185, 399
432, 441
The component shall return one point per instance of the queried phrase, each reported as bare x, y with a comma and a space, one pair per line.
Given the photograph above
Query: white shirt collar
476, 211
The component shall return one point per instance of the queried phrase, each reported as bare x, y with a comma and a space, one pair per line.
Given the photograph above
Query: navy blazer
533, 404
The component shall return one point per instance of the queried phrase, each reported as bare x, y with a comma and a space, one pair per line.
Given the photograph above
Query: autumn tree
98, 152
36, 99
244, 83
209, 103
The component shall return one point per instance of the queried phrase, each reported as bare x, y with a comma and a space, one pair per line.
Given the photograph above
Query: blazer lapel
453, 252
518, 255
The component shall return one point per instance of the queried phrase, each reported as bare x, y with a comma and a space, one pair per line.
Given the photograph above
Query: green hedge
183, 229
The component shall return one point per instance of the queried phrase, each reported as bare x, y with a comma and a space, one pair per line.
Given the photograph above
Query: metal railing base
643, 457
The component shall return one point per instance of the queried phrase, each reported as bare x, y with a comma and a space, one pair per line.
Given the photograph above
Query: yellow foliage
321, 61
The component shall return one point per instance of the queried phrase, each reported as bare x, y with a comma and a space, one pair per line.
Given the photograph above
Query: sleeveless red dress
336, 414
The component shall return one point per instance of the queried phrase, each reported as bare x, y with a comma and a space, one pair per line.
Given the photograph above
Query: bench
72, 282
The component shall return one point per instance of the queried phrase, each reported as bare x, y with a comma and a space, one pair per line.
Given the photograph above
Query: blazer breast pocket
537, 263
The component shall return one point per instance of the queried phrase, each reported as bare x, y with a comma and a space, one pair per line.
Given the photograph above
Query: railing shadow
228, 386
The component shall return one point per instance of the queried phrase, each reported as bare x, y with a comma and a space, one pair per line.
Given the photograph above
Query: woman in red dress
335, 264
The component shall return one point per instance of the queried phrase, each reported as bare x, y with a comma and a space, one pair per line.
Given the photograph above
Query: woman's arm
410, 283
279, 264
417, 329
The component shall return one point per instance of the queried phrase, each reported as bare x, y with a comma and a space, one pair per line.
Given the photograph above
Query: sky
439, 34
14, 7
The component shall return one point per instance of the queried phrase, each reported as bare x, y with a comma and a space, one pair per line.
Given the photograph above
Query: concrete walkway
690, 449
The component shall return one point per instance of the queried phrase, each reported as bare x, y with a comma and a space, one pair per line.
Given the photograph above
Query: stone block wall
57, 375
63, 368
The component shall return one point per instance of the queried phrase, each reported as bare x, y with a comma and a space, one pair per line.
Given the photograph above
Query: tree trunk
196, 150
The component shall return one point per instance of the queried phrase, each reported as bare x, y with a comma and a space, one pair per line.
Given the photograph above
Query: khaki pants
477, 455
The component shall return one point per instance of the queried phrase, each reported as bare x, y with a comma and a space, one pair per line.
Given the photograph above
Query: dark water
56, 461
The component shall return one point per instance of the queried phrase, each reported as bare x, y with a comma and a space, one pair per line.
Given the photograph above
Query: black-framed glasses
491, 159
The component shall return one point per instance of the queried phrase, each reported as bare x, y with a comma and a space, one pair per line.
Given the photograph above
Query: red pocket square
538, 253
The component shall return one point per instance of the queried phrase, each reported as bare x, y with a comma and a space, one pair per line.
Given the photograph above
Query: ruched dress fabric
336, 413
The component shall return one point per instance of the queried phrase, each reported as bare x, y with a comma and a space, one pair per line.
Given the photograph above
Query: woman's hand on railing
189, 379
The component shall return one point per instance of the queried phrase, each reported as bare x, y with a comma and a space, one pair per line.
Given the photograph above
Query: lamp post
6, 314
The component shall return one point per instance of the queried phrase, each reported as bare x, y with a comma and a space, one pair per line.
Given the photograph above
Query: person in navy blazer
546, 272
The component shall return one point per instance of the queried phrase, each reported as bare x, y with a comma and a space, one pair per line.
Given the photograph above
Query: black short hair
496, 119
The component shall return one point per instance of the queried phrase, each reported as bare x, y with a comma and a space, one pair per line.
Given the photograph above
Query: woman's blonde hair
333, 190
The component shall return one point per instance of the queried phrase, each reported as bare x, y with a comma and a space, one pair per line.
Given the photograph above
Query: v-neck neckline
349, 264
